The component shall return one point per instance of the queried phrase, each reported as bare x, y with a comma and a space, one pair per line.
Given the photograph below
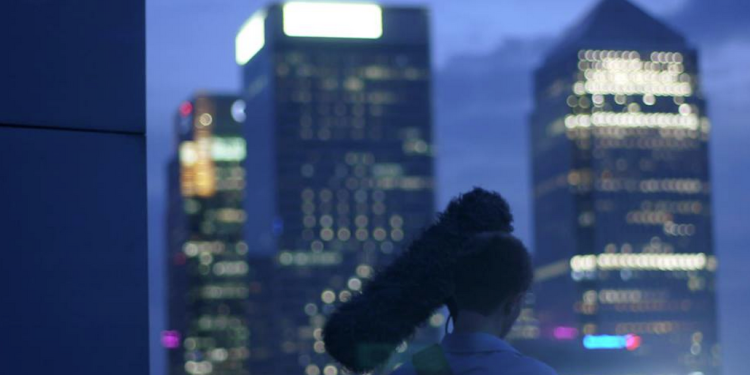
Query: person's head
491, 277
363, 332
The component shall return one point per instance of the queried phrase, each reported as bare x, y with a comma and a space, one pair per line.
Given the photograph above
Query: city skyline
334, 127
443, 189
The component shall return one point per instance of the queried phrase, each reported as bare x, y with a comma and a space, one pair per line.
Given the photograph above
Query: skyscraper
340, 165
622, 200
217, 311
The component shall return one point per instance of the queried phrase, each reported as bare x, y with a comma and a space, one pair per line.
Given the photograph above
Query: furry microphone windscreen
363, 332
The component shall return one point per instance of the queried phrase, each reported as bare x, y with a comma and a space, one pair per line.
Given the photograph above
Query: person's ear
513, 303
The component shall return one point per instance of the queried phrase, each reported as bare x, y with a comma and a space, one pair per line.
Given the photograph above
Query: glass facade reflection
340, 158
622, 202
217, 311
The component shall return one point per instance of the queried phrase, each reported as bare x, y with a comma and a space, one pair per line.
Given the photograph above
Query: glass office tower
340, 163
622, 201
218, 315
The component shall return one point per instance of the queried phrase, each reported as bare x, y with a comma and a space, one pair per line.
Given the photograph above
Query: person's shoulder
533, 366
513, 363
405, 369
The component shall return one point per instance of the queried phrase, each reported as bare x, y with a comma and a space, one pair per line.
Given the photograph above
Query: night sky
483, 54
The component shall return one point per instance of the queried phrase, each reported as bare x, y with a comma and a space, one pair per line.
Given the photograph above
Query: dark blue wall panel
73, 64
72, 253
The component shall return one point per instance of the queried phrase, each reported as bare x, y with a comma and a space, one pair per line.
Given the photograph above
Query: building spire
618, 24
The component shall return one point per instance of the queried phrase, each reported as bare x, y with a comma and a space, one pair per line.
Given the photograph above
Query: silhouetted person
467, 260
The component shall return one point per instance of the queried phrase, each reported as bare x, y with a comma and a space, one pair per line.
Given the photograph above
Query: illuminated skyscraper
340, 166
218, 314
622, 201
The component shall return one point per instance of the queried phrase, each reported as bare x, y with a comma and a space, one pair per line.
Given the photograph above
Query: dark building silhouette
340, 165
622, 203
218, 310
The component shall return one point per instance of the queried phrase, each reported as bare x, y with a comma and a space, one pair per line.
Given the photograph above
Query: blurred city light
629, 342
251, 37
333, 20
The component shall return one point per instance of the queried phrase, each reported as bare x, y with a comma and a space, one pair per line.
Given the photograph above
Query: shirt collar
475, 342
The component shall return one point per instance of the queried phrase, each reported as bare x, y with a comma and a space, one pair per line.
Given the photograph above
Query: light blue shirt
483, 354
